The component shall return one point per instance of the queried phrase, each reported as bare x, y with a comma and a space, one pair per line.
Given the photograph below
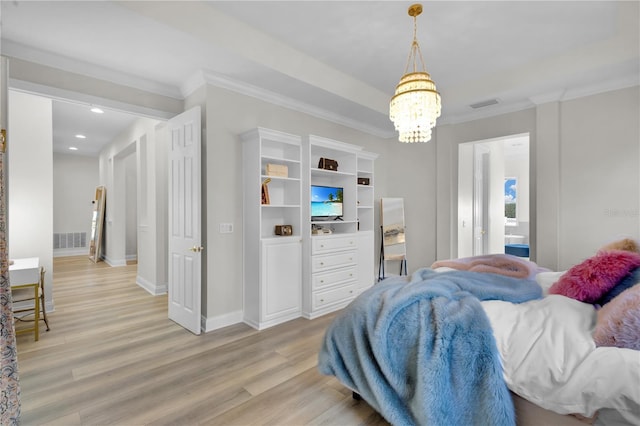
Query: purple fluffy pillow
593, 278
619, 321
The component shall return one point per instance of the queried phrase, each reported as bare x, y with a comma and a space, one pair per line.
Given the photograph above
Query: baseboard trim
154, 289
114, 262
210, 324
70, 252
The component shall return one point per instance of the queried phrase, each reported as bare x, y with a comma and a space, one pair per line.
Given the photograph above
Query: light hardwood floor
113, 357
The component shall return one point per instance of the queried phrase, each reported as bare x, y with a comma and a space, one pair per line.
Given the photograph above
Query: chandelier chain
415, 52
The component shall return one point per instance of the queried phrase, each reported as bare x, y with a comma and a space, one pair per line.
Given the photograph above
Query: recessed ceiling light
73, 148
79, 136
97, 110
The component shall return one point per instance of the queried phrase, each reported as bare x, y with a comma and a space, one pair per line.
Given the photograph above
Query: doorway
146, 140
124, 194
484, 201
70, 177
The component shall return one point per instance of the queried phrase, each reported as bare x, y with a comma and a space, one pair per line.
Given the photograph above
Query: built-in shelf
340, 265
272, 263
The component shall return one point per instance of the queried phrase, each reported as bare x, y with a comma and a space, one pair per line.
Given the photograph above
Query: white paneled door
185, 249
480, 200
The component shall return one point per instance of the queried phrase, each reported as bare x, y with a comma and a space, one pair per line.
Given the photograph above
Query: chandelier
416, 104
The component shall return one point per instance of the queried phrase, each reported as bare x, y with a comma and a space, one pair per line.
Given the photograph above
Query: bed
452, 345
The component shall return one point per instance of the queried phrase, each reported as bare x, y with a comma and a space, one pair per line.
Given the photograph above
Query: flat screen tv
326, 202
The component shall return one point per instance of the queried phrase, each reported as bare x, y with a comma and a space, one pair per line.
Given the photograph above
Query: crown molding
487, 112
28, 53
228, 83
555, 96
83, 98
545, 98
604, 86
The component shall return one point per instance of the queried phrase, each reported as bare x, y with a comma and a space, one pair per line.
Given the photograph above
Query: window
510, 201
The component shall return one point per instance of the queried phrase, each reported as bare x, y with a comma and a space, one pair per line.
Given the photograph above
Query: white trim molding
234, 85
231, 318
114, 262
152, 288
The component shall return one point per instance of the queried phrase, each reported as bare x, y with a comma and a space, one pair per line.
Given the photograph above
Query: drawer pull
321, 263
322, 281
322, 300
351, 291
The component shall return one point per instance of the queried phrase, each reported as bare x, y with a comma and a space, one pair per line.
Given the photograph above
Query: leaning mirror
393, 243
97, 222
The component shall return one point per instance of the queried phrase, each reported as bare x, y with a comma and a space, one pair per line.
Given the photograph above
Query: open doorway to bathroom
493, 196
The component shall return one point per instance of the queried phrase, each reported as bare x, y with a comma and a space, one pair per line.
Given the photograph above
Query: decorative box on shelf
284, 230
277, 170
328, 164
363, 181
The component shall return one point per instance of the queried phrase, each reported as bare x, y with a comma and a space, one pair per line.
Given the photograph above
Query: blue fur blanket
422, 352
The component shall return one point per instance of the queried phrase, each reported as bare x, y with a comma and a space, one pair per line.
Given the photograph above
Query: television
326, 202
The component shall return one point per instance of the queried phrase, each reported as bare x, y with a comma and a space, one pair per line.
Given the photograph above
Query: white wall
30, 186
139, 141
227, 115
465, 200
599, 173
448, 139
56, 83
75, 178
131, 207
592, 136
516, 165
494, 196
585, 187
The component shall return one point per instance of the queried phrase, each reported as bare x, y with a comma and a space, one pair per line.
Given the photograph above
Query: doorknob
196, 249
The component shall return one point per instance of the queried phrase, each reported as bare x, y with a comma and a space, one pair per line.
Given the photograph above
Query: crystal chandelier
416, 104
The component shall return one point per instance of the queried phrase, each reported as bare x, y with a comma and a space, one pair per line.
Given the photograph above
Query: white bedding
550, 359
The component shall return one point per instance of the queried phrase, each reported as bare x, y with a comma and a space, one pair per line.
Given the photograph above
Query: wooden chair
23, 295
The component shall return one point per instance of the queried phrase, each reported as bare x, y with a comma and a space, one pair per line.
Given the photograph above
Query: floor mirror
97, 222
393, 249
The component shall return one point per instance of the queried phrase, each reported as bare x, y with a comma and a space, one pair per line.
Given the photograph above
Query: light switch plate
226, 228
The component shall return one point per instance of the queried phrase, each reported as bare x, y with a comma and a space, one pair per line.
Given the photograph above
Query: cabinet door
282, 275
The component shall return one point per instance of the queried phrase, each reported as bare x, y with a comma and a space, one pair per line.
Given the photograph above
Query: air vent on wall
483, 104
70, 240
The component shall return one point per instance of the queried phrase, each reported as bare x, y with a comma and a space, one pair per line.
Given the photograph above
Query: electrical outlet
226, 228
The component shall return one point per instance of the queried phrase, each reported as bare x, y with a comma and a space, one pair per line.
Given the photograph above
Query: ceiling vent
484, 103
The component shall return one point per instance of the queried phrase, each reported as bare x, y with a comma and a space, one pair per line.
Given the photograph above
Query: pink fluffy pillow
619, 321
591, 279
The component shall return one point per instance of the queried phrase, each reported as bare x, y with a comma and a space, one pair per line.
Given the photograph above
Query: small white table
24, 274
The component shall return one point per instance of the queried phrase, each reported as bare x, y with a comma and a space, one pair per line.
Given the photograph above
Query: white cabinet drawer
333, 243
327, 279
337, 295
332, 261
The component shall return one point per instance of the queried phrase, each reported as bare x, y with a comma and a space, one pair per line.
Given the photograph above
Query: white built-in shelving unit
306, 273
338, 262
272, 263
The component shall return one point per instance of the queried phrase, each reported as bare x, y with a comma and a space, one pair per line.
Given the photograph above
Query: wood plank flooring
113, 357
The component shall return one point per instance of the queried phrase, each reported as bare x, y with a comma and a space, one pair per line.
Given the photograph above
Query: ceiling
339, 60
